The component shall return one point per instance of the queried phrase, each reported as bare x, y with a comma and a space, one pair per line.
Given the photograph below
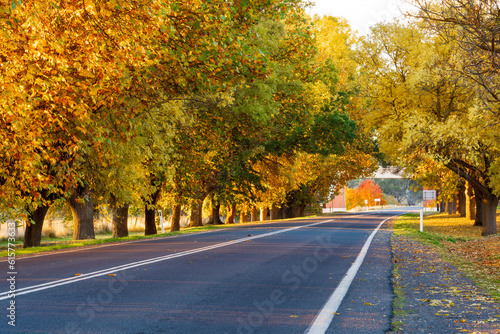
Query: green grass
398, 302
54, 244
60, 240
409, 225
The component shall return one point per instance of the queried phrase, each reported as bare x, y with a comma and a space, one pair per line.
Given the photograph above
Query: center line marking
103, 272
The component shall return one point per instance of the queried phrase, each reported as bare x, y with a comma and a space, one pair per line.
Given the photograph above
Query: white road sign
429, 195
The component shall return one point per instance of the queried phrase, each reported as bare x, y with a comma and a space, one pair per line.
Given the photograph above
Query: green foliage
162, 103
328, 134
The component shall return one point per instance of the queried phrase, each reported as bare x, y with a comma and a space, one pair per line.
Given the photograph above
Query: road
300, 276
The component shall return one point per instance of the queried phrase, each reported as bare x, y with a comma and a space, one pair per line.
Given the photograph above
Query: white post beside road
161, 222
428, 195
422, 220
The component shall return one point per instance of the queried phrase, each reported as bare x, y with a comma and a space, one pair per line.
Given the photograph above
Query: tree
421, 106
367, 191
401, 189
74, 77
230, 131
82, 208
473, 27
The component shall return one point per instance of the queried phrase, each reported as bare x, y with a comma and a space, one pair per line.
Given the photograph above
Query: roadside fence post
422, 220
161, 222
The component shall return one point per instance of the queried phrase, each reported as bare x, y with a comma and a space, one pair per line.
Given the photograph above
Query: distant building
338, 203
388, 173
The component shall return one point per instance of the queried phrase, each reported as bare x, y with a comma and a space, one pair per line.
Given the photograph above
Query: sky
361, 14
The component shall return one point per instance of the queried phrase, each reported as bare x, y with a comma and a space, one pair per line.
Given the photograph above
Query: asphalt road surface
321, 275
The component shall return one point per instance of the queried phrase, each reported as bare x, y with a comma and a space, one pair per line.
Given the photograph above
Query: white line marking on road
325, 316
103, 272
92, 247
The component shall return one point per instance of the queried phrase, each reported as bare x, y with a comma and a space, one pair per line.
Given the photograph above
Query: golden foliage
451, 226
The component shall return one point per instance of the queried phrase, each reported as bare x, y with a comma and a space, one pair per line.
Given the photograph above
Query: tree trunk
232, 214
462, 201
243, 217
215, 219
120, 218
471, 203
289, 212
442, 207
150, 221
490, 203
263, 214
274, 212
455, 205
479, 208
253, 215
196, 219
150, 214
33, 232
281, 213
449, 208
82, 208
302, 210
175, 224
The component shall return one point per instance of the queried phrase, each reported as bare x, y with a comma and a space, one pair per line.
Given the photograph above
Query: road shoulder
433, 296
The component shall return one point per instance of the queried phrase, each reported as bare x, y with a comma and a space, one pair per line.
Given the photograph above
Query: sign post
429, 195
422, 220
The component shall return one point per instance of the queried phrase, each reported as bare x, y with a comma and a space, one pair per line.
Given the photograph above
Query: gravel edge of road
432, 296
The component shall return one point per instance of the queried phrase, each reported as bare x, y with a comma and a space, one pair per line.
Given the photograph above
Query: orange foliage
73, 75
367, 190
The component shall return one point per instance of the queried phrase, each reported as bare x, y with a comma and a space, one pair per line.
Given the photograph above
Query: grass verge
460, 243
399, 300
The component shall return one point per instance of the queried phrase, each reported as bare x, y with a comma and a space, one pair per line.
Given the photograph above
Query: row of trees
433, 83
248, 104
